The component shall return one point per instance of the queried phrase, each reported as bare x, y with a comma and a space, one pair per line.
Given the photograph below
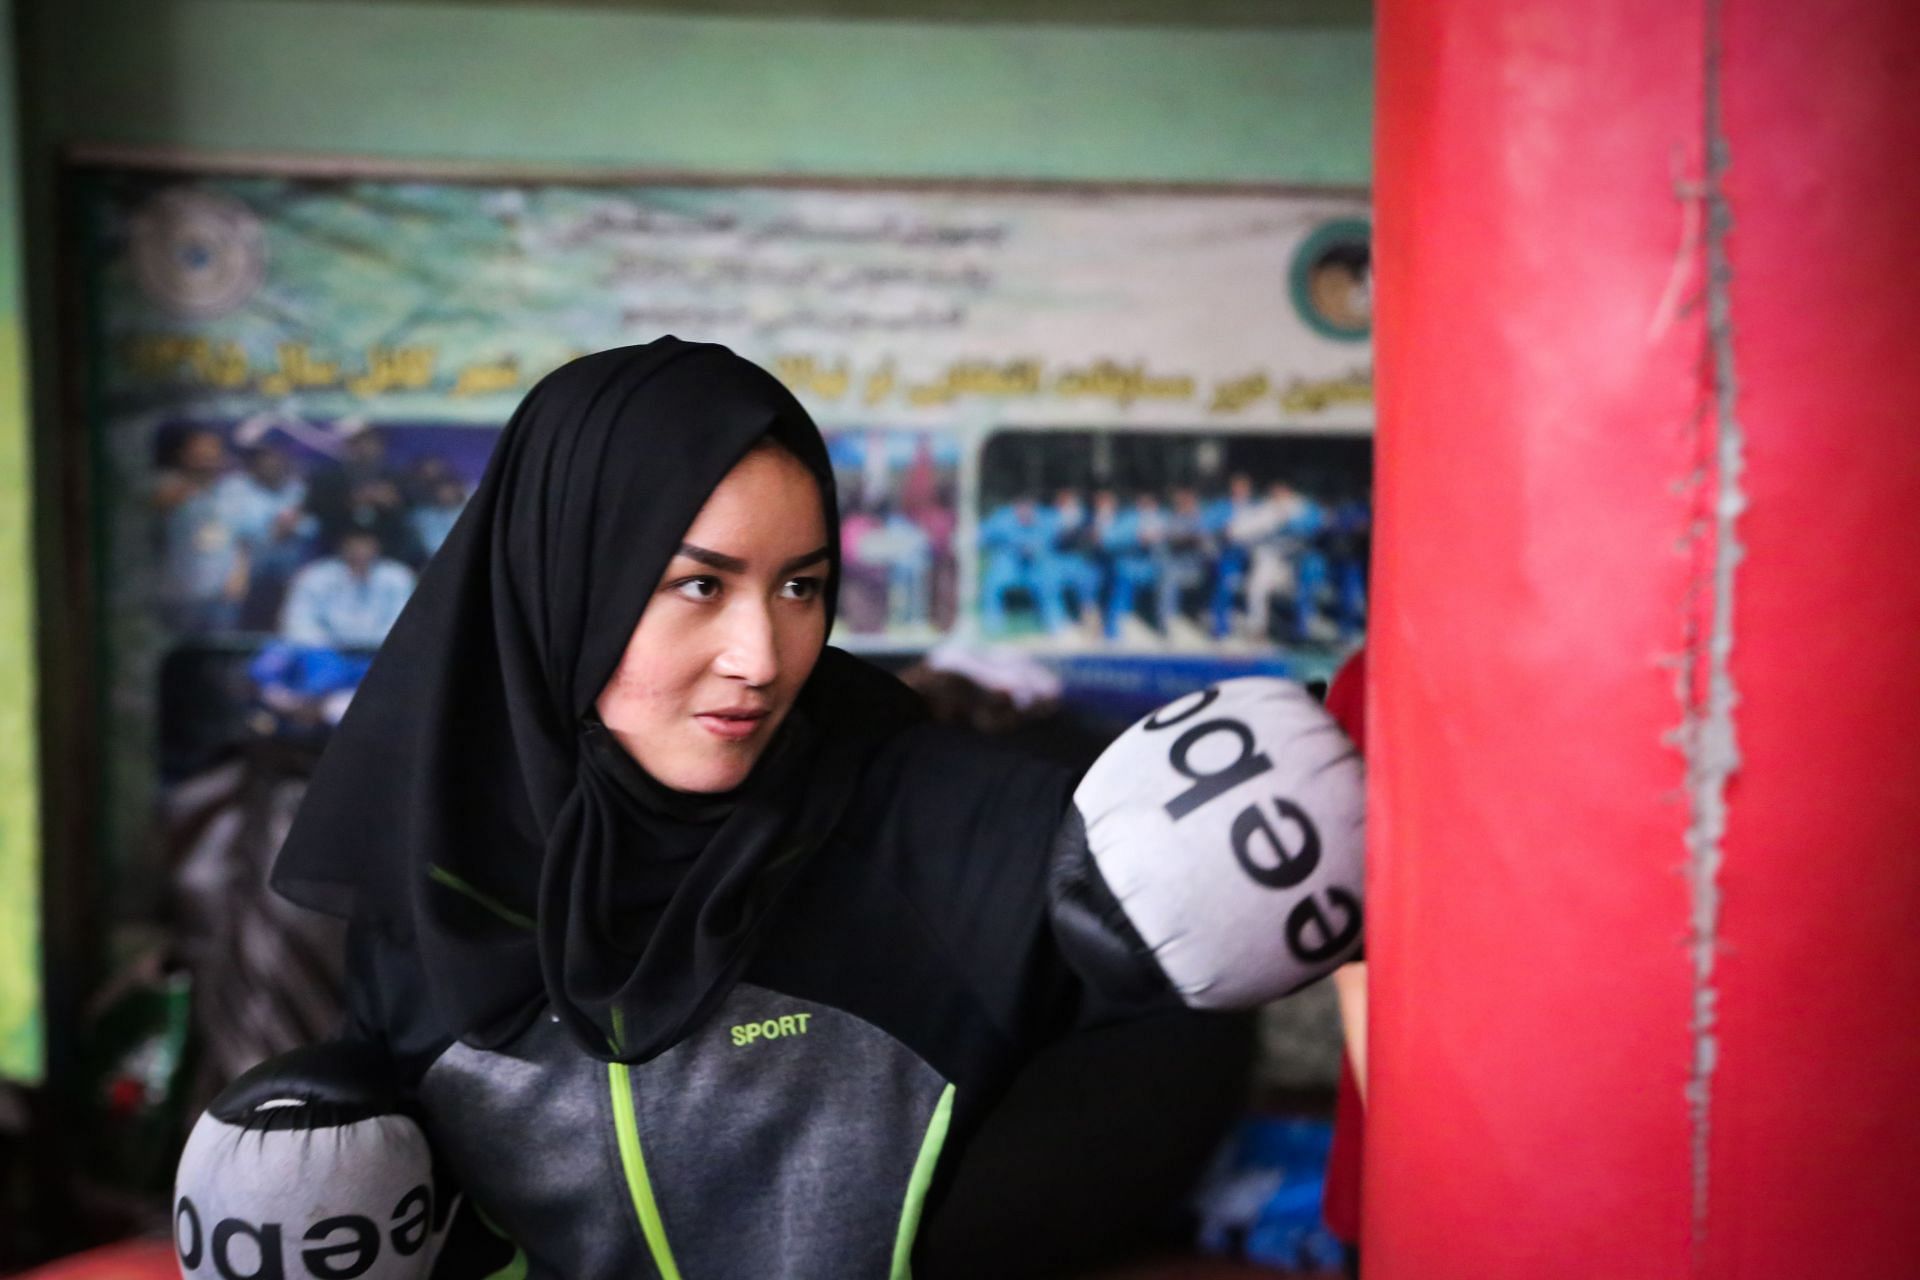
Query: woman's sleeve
387, 1001
363, 1017
981, 828
387, 1005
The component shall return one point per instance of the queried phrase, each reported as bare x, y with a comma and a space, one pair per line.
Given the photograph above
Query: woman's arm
1350, 985
389, 1004
1209, 858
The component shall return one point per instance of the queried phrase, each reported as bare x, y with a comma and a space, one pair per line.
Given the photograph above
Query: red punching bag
1646, 644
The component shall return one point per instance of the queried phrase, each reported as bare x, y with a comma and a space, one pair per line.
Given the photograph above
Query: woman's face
731, 632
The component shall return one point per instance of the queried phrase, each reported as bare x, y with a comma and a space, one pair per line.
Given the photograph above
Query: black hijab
471, 805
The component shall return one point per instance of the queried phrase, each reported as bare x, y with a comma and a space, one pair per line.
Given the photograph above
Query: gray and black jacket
950, 927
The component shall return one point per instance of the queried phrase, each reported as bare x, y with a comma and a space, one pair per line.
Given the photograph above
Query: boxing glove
307, 1166
1215, 849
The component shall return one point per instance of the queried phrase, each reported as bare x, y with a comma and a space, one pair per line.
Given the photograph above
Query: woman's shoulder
948, 773
938, 775
938, 747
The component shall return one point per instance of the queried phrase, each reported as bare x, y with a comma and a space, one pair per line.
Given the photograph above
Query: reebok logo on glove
341, 1247
307, 1167
1229, 829
1310, 935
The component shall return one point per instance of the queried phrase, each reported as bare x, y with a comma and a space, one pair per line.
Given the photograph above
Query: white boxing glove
1222, 837
306, 1167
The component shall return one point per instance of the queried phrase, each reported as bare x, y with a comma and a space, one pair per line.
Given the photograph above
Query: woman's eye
702, 588
801, 589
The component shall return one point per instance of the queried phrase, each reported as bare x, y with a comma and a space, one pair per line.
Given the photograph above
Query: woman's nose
747, 651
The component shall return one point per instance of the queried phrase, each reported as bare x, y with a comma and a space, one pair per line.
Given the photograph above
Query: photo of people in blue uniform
1173, 541
898, 513
284, 550
309, 531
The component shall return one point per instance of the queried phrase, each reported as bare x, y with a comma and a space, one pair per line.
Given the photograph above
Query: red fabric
1341, 1208
1347, 698
1347, 701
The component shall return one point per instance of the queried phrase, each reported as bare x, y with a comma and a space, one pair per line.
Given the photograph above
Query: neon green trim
917, 1185
455, 883
516, 1268
644, 1206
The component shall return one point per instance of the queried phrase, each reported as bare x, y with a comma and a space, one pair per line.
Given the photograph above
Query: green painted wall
600, 86
21, 1055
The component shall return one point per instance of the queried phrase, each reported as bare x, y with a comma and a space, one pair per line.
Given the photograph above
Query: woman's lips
731, 725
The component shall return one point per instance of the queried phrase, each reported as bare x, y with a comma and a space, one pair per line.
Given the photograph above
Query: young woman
699, 952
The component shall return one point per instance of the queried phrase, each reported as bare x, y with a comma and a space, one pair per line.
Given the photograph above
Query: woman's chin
721, 771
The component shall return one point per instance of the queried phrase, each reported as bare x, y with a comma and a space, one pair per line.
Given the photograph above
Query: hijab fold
472, 805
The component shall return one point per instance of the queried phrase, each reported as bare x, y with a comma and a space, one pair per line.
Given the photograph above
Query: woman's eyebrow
801, 562
734, 564
712, 559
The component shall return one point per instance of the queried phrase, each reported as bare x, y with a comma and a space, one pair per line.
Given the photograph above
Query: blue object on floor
1261, 1199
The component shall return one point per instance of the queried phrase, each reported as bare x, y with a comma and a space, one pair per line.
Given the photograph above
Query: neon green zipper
638, 1184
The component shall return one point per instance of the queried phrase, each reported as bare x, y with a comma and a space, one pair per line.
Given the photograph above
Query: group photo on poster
284, 549
312, 531
899, 512
1174, 542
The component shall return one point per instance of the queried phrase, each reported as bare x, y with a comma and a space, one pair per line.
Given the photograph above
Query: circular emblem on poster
1332, 280
199, 254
